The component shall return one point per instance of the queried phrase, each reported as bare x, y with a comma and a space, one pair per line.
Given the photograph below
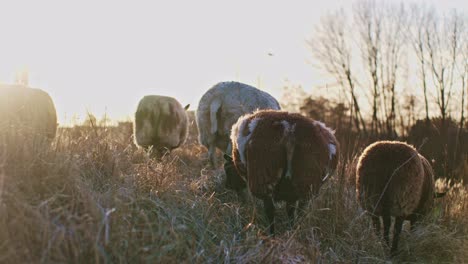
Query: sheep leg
414, 218
212, 155
387, 221
291, 208
270, 212
376, 223
412, 224
396, 234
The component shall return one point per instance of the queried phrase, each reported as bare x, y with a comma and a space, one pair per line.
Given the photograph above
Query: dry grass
93, 197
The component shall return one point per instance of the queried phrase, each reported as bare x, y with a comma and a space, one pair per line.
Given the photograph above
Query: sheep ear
439, 195
227, 157
186, 107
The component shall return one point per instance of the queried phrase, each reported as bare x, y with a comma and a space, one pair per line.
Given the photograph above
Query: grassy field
93, 197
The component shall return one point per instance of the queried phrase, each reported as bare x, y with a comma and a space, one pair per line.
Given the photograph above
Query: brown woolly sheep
393, 179
281, 156
160, 123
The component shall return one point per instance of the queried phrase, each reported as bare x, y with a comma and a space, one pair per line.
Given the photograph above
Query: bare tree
331, 47
369, 25
394, 26
463, 69
407, 113
292, 97
416, 34
381, 38
365, 50
443, 45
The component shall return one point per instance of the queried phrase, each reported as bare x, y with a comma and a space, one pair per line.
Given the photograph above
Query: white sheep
160, 123
221, 106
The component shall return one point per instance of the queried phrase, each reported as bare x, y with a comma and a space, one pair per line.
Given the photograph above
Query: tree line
401, 72
379, 53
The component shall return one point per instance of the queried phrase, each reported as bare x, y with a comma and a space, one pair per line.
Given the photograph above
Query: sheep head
233, 180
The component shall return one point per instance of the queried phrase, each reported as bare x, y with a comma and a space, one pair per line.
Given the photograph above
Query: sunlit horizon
103, 57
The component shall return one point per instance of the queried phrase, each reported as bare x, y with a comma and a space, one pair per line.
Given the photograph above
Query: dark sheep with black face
280, 156
393, 179
161, 123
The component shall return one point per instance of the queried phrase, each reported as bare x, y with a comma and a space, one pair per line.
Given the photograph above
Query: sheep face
233, 179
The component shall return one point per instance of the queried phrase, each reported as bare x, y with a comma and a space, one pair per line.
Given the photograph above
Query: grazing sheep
28, 112
219, 109
160, 123
392, 179
281, 156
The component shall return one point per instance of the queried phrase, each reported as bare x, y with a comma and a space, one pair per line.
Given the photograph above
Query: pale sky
103, 56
